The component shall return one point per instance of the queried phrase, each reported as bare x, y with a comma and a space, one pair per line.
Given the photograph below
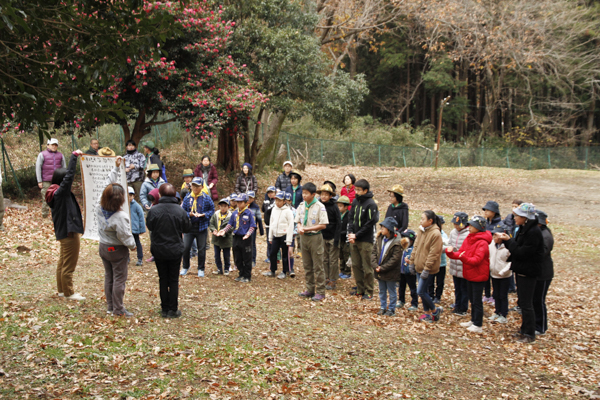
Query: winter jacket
334, 227
400, 214
363, 217
509, 222
167, 221
216, 224
456, 240
66, 214
255, 209
283, 181
427, 251
498, 261
405, 267
476, 257
391, 261
245, 183
138, 225
282, 224
211, 177
547, 271
204, 205
350, 193
443, 260
91, 152
527, 250
296, 195
266, 208
344, 228
147, 186
47, 162
138, 161
495, 222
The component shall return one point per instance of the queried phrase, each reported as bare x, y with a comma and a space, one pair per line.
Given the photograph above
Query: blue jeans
194, 251
423, 292
386, 287
226, 258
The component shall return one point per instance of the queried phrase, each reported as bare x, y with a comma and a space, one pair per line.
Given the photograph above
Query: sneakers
174, 314
139, 262
493, 317
318, 297
426, 318
292, 274
381, 311
76, 296
244, 280
109, 312
151, 259
453, 305
516, 309
125, 314
340, 275
413, 308
164, 314
344, 276
226, 273
390, 313
492, 302
253, 264
184, 271
354, 292
459, 313
269, 274
475, 329
400, 304
538, 333
282, 276
306, 294
217, 272
501, 320
239, 278
330, 286
467, 324
233, 268
200, 274
268, 261
526, 339
61, 295
435, 316
436, 301
367, 297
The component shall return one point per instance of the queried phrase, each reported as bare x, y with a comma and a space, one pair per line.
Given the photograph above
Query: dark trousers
116, 264
461, 294
253, 238
168, 281
242, 252
488, 287
539, 305
291, 255
226, 258
475, 290
437, 285
501, 295
344, 256
268, 245
511, 284
525, 291
188, 239
138, 245
422, 291
411, 281
279, 244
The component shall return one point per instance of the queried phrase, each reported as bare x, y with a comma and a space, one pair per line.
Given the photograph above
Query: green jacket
224, 242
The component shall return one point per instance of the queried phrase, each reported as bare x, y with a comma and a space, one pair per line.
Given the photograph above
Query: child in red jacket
475, 256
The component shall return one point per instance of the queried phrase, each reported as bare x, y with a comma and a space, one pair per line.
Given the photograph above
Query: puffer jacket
147, 187
392, 259
138, 224
456, 240
427, 252
282, 224
527, 250
498, 261
475, 256
547, 271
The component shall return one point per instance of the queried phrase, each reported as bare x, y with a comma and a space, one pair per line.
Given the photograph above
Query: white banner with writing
94, 171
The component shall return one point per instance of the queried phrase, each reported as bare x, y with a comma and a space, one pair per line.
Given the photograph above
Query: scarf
195, 202
237, 219
154, 183
221, 217
131, 151
306, 208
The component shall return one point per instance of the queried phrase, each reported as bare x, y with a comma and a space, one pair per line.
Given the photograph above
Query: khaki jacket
427, 253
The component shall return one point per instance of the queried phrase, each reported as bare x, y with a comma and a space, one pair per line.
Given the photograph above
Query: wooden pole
437, 147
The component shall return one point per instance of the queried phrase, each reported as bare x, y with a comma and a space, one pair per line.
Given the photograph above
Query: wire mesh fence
365, 154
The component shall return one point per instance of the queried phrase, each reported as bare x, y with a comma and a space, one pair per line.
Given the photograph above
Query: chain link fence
365, 154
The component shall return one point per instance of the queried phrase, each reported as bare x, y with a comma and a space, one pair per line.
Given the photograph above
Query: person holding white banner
116, 239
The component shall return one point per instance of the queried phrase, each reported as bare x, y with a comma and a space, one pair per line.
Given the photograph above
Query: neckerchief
195, 202
107, 214
345, 212
155, 184
306, 208
237, 219
221, 217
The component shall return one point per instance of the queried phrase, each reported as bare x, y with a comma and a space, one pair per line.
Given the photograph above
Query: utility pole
443, 103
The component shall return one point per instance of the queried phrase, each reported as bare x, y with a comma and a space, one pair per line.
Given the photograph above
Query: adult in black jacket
167, 221
397, 208
363, 217
526, 255
68, 226
544, 279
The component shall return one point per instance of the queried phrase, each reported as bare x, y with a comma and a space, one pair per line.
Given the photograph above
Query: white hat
130, 190
52, 141
288, 162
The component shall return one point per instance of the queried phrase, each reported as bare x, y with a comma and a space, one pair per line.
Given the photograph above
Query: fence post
403, 157
549, 163
287, 139
530, 156
72, 141
353, 156
507, 160
586, 157
379, 148
3, 161
11, 168
481, 161
321, 150
459, 163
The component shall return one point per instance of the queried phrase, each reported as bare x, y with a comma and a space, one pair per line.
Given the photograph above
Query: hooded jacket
400, 213
138, 225
334, 227
547, 271
527, 250
363, 217
456, 240
147, 187
427, 252
498, 261
66, 214
344, 228
390, 262
495, 222
282, 224
245, 183
475, 256
167, 221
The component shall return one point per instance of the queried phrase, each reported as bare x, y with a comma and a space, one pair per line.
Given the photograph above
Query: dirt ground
261, 341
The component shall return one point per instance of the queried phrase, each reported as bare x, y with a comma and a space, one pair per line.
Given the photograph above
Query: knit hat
398, 189
223, 201
331, 184
288, 196
152, 167
390, 223
280, 195
542, 217
106, 152
242, 197
288, 162
247, 165
461, 219
271, 189
149, 144
492, 206
52, 141
130, 190
198, 181
344, 200
409, 233
251, 193
478, 222
326, 188
188, 172
526, 210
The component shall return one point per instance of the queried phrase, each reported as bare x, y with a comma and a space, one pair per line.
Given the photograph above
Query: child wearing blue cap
281, 234
259, 222
242, 224
385, 260
223, 244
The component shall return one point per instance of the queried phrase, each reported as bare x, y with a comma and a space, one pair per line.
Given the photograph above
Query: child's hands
378, 269
300, 229
246, 236
450, 249
118, 161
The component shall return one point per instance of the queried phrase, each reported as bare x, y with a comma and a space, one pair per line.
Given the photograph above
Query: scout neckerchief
155, 183
306, 208
195, 202
345, 212
221, 217
237, 219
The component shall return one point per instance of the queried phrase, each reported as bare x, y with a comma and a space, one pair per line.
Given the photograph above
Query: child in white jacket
501, 273
281, 234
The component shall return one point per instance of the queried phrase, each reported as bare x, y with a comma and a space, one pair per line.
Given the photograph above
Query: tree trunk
246, 124
228, 157
255, 148
268, 151
353, 59
588, 133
